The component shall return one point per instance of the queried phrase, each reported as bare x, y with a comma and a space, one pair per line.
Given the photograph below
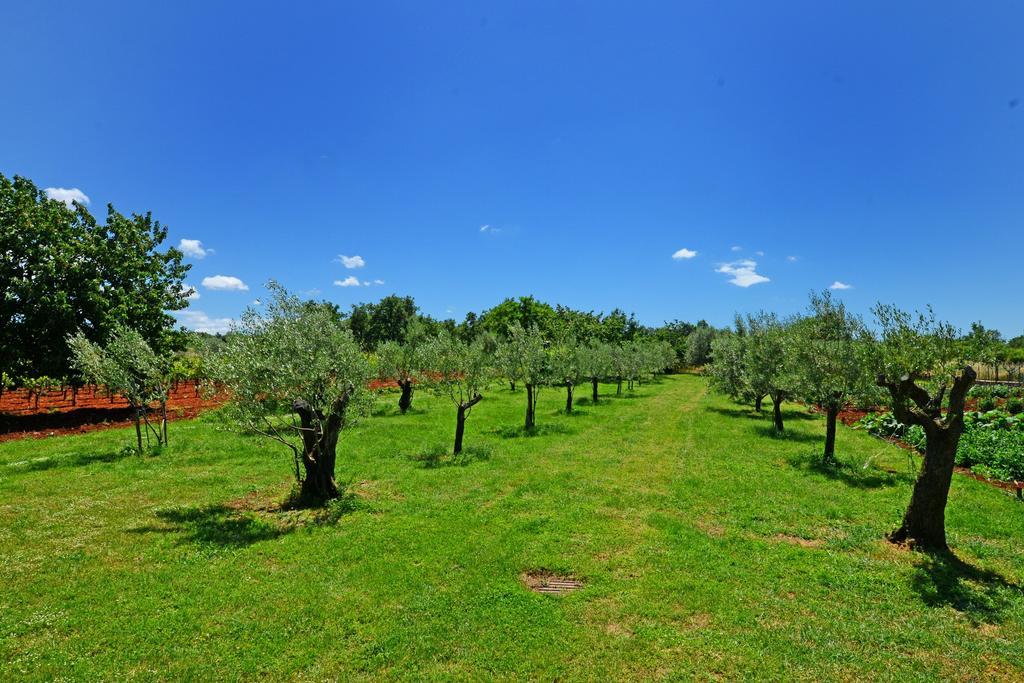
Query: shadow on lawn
765, 414
76, 460
768, 431
944, 580
441, 456
538, 430
851, 475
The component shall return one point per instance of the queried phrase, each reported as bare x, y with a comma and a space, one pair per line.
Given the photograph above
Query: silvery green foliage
566, 362
727, 372
595, 360
828, 354
288, 351
917, 346
403, 361
455, 369
522, 355
765, 368
126, 365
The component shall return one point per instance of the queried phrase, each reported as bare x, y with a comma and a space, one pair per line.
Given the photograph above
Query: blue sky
790, 145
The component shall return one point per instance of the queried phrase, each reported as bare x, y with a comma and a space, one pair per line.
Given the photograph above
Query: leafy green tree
826, 354
618, 327
373, 324
61, 273
698, 346
295, 375
918, 360
459, 371
403, 362
526, 349
525, 311
128, 366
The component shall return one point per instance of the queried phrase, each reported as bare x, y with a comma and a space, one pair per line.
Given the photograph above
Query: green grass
709, 548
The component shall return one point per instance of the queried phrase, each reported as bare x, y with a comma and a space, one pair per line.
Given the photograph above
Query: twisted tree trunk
405, 400
320, 441
460, 421
924, 522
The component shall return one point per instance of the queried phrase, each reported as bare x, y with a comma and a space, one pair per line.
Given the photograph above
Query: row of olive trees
295, 374
830, 358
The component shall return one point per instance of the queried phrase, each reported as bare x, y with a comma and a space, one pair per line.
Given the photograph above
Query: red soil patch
60, 412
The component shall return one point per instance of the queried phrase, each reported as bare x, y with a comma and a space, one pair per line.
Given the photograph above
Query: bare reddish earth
58, 412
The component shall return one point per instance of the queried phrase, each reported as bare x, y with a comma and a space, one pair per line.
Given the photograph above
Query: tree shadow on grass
768, 431
981, 595
214, 525
852, 475
441, 456
74, 460
542, 429
765, 414
242, 522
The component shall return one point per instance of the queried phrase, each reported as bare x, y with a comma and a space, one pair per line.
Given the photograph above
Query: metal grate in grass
543, 581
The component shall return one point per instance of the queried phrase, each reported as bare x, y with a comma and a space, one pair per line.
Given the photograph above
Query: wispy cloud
792, 259
193, 248
840, 285
488, 228
200, 322
759, 253
350, 281
736, 248
351, 261
684, 254
225, 283
67, 195
744, 273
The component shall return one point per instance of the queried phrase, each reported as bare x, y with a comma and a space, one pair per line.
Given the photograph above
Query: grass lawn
709, 548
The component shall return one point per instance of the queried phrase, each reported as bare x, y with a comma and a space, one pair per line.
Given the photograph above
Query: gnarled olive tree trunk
593, 383
405, 400
568, 396
460, 421
319, 446
831, 413
924, 522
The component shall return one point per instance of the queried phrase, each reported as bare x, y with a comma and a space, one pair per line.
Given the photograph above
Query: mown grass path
709, 547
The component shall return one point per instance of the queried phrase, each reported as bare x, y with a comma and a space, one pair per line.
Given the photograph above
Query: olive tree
566, 364
127, 365
826, 355
297, 376
727, 371
594, 361
459, 371
527, 354
923, 366
402, 361
765, 368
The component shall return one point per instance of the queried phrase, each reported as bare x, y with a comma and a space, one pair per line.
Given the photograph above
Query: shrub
986, 403
1015, 406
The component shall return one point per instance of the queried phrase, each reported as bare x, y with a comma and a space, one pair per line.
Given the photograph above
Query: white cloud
489, 228
67, 195
351, 261
792, 259
200, 322
735, 248
225, 283
840, 285
350, 281
193, 248
378, 282
684, 254
744, 273
759, 253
